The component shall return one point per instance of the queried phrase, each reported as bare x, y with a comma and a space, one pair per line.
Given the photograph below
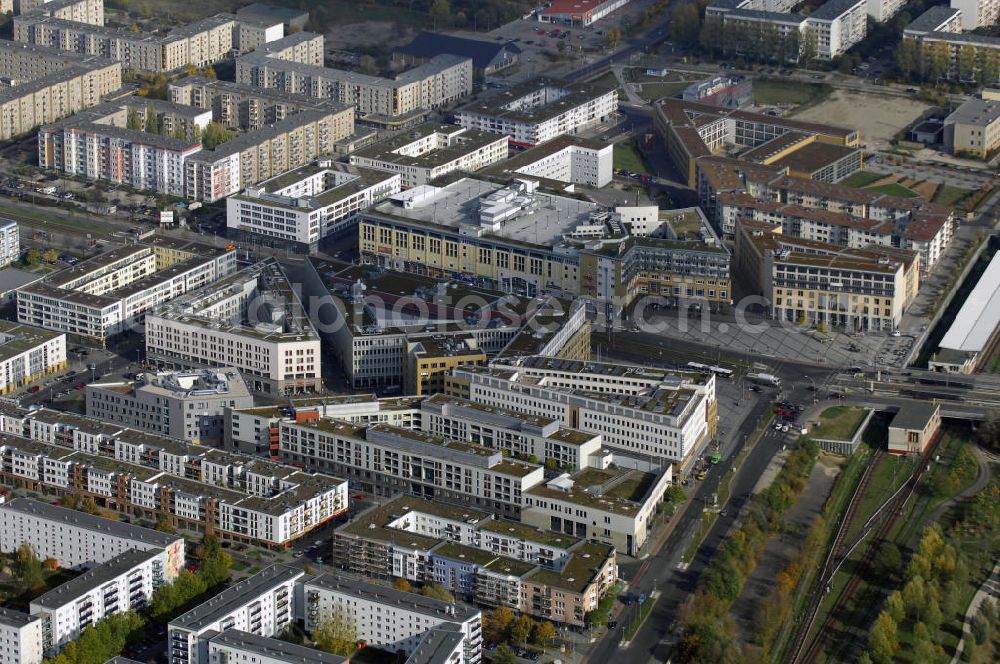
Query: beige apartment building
52, 85
973, 129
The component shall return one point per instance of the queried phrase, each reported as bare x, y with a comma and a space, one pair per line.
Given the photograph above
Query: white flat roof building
235, 646
78, 539
253, 321
10, 242
540, 110
20, 637
430, 151
635, 409
28, 353
565, 159
107, 295
308, 204
262, 604
163, 402
124, 583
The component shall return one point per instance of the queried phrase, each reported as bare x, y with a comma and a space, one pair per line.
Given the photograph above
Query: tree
133, 122
504, 655
914, 594
164, 526
809, 46
521, 630
711, 36
440, 12
882, 639
152, 122
402, 584
215, 135
685, 25
906, 58
543, 633
209, 72
561, 47
888, 561
437, 592
988, 433
498, 624
966, 62
336, 634
28, 568
50, 256
895, 607
33, 256
367, 65
613, 36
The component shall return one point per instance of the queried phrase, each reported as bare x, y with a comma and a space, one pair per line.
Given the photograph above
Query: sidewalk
989, 590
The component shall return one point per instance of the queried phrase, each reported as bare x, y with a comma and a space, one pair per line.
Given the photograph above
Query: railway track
881, 523
837, 552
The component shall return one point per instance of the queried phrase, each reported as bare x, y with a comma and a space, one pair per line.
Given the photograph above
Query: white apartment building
540, 110
188, 405
430, 151
262, 604
78, 539
28, 353
234, 646
389, 460
639, 410
10, 242
567, 159
838, 25
20, 637
110, 293
304, 47
883, 10
976, 13
253, 321
123, 583
521, 436
306, 205
388, 618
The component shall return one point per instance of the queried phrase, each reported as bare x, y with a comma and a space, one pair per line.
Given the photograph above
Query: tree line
930, 62
708, 632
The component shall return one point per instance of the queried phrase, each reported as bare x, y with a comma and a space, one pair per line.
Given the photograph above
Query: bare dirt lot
878, 118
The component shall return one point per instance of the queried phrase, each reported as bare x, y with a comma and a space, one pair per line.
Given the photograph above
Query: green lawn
839, 423
893, 189
861, 179
627, 157
652, 91
777, 92
949, 195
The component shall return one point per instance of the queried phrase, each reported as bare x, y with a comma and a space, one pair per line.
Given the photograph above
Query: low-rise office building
430, 151
668, 416
28, 353
188, 405
252, 321
540, 110
77, 539
109, 294
579, 13
304, 206
913, 428
262, 604
430, 359
385, 460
